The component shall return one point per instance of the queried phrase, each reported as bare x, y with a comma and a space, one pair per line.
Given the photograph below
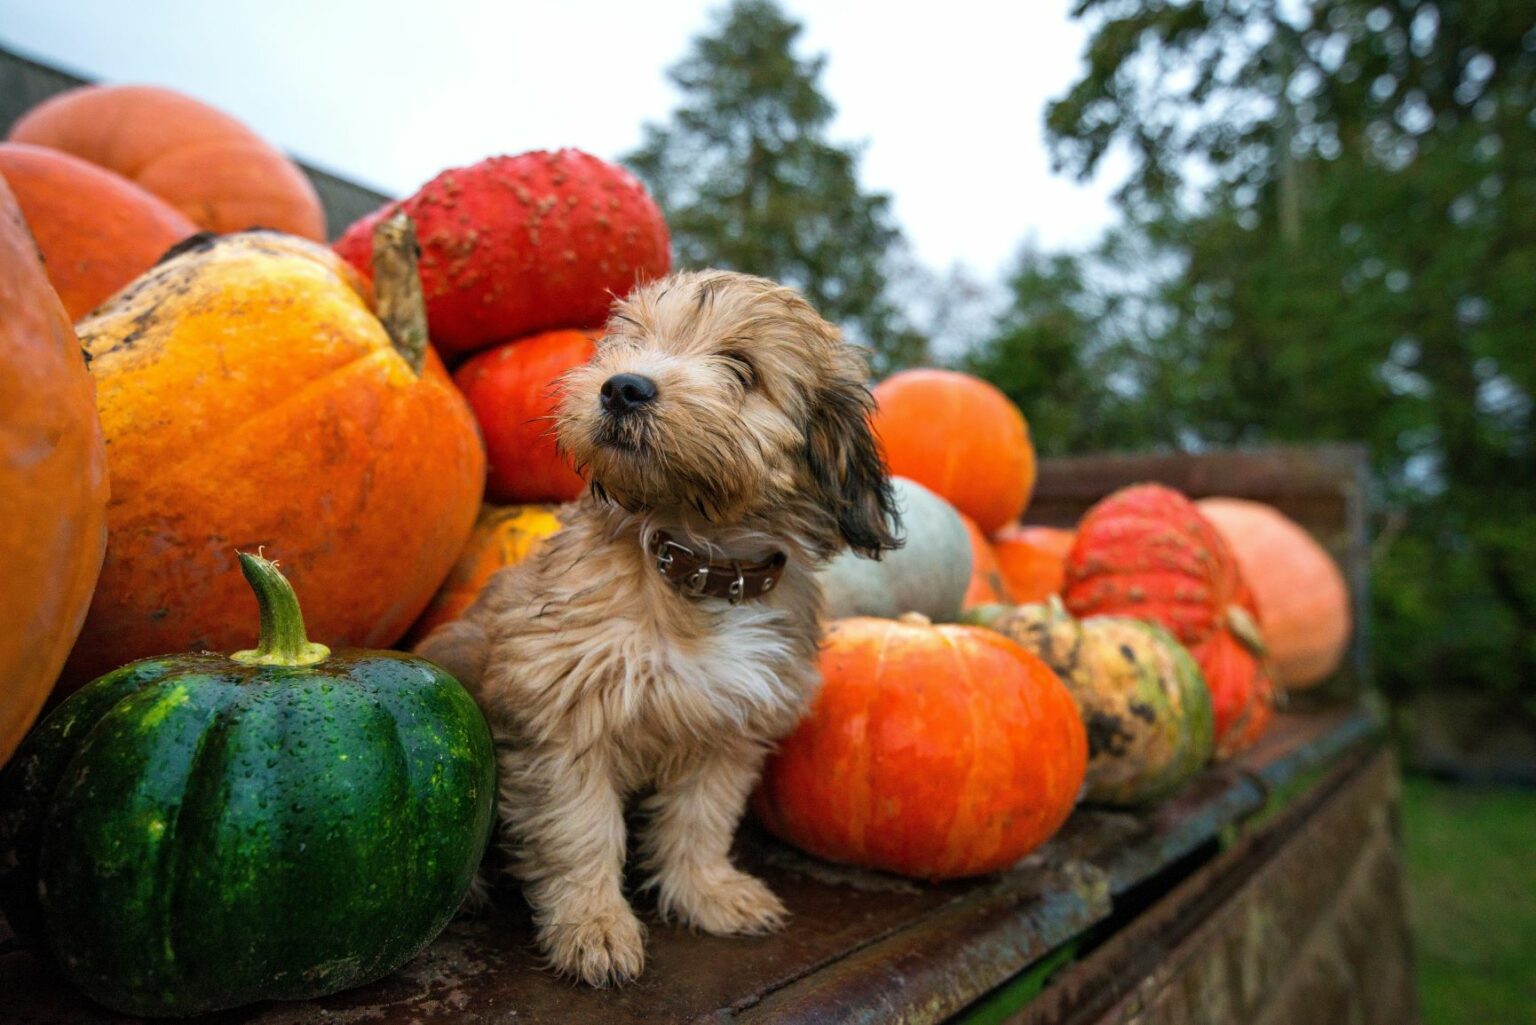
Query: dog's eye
741, 365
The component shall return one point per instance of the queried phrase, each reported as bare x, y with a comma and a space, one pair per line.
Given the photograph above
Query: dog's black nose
622, 394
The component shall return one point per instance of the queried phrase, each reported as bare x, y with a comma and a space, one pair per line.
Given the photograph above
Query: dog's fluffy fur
601, 680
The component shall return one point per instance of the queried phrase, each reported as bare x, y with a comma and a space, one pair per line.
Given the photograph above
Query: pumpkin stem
282, 642
1242, 624
914, 619
397, 291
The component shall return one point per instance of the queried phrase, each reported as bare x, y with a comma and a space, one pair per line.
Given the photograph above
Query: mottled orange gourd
1300, 591
200, 160
512, 390
97, 230
53, 481
251, 399
503, 536
960, 438
988, 585
1033, 560
932, 751
1146, 552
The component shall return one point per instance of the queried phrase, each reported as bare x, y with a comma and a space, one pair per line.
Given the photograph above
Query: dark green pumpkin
197, 832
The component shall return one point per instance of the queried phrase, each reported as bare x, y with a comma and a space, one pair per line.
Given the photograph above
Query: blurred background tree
748, 179
1345, 193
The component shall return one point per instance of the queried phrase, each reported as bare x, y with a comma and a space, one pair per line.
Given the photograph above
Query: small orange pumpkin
1302, 598
53, 481
504, 536
97, 230
933, 751
1033, 560
197, 158
988, 585
251, 396
961, 438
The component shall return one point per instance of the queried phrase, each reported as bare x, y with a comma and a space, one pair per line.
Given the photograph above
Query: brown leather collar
699, 577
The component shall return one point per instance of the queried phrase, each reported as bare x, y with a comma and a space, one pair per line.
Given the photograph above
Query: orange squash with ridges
932, 751
53, 481
252, 397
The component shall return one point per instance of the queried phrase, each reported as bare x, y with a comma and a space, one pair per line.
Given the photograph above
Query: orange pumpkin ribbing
933, 751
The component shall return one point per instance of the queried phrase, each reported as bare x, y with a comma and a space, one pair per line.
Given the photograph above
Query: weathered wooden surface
1300, 923
862, 947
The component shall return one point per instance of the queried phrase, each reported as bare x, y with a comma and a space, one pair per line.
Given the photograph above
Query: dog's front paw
736, 905
606, 949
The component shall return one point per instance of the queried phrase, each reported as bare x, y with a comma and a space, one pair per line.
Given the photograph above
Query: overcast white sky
948, 98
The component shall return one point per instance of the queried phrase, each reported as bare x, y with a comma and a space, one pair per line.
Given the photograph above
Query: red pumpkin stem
283, 641
402, 308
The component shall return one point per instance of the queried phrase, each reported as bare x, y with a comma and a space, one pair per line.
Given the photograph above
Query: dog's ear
846, 463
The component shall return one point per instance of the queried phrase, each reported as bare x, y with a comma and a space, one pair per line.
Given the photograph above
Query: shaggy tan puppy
667, 636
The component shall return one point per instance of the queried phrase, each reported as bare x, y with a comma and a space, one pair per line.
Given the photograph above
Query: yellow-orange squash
252, 398
53, 481
959, 437
197, 158
97, 230
504, 536
1302, 599
933, 751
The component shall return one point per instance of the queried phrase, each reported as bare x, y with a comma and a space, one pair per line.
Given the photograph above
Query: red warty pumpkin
1302, 598
515, 245
1146, 552
933, 751
53, 481
512, 391
97, 231
200, 160
960, 438
1033, 560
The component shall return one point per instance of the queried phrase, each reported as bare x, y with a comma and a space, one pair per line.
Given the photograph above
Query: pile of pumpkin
255, 389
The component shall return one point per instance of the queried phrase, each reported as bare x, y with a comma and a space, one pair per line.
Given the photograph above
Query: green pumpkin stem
402, 308
282, 641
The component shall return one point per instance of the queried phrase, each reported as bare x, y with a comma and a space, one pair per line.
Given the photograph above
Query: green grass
1471, 864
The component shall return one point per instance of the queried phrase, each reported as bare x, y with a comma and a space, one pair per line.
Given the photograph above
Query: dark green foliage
748, 179
1332, 213
190, 833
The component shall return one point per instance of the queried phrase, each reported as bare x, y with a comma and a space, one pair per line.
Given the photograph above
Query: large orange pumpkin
988, 585
959, 437
503, 536
53, 481
512, 390
252, 398
1146, 552
97, 230
1033, 560
933, 751
1302, 598
197, 158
